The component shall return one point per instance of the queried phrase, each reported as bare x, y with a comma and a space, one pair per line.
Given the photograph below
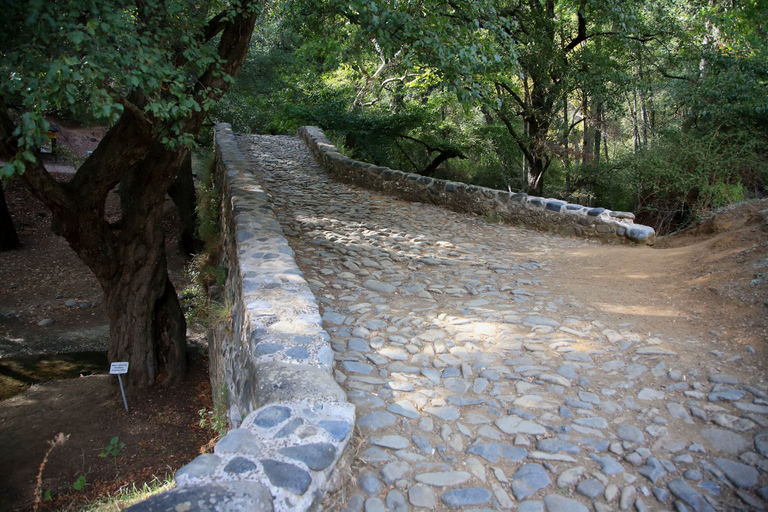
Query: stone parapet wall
270, 370
534, 212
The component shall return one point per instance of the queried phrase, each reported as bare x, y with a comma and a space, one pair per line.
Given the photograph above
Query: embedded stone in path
689, 495
376, 420
725, 440
608, 464
444, 478
472, 496
492, 452
529, 479
378, 286
630, 433
556, 503
422, 496
541, 320
517, 425
392, 441
740, 474
761, 444
404, 408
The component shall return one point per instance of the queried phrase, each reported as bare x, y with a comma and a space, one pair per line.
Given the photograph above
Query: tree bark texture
9, 239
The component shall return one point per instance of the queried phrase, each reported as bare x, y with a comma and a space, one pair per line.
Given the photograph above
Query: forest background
660, 108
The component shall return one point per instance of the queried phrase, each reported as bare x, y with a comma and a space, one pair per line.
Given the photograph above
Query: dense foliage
656, 107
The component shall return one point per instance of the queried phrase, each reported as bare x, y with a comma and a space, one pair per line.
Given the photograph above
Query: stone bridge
478, 384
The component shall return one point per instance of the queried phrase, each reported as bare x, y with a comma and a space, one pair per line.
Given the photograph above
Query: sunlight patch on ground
640, 310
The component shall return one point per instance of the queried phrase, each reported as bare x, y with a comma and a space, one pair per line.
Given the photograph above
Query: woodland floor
713, 277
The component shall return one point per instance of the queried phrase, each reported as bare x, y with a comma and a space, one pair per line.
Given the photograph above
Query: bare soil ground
707, 283
161, 431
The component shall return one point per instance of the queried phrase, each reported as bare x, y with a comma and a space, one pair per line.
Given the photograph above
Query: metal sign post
118, 369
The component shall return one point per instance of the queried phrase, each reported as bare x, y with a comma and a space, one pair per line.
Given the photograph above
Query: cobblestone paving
480, 386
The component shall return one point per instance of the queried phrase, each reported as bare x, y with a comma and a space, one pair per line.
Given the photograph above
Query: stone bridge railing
270, 370
534, 212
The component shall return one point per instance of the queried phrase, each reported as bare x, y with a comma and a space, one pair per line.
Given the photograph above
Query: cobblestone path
480, 386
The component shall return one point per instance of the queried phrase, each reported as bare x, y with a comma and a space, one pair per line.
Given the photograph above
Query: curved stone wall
270, 370
534, 212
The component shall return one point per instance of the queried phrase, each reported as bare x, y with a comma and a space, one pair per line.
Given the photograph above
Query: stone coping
534, 212
271, 369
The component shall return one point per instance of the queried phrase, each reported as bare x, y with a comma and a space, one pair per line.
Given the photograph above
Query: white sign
118, 368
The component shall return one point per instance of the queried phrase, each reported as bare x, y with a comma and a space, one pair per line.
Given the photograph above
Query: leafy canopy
59, 56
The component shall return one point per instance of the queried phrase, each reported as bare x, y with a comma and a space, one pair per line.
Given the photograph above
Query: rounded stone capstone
282, 382
218, 497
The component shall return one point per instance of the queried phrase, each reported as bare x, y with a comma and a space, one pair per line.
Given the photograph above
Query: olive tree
152, 69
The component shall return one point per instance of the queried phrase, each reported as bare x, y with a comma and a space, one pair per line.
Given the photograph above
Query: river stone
528, 479
721, 378
378, 286
725, 440
444, 413
590, 488
595, 422
733, 422
394, 471
570, 476
740, 474
337, 429
630, 433
761, 444
287, 476
650, 394
688, 494
608, 464
541, 320
396, 501
271, 416
211, 497
556, 446
653, 470
374, 505
393, 441
466, 497
517, 425
317, 456
369, 482
239, 441
492, 452
556, 503
404, 408
376, 420
530, 506
423, 496
443, 478
720, 392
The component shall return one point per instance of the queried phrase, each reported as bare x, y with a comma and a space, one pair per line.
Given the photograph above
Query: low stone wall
270, 370
535, 212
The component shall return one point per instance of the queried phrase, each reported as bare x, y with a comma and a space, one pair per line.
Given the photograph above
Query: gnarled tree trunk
8, 238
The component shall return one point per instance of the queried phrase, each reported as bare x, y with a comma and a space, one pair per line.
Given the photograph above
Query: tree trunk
9, 240
536, 177
147, 326
182, 191
146, 321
